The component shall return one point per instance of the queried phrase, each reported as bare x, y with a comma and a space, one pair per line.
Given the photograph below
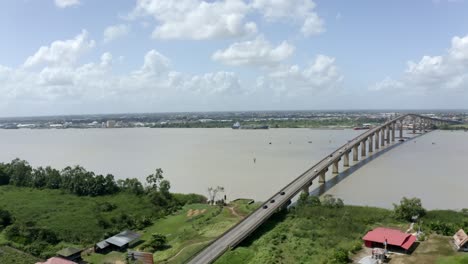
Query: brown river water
194, 159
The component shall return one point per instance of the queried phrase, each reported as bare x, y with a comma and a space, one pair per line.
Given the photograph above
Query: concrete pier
371, 142
401, 129
382, 137
377, 140
355, 153
393, 131
388, 135
335, 167
363, 148
346, 159
322, 177
306, 190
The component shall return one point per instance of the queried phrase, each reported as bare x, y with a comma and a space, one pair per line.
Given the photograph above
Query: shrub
408, 208
5, 219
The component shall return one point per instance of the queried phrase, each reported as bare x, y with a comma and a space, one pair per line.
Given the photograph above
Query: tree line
76, 179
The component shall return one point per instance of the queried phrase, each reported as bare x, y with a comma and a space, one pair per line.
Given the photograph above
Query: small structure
460, 239
120, 242
368, 260
57, 260
387, 237
73, 254
141, 257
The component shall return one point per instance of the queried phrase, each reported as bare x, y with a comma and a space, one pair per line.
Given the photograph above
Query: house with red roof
57, 260
392, 238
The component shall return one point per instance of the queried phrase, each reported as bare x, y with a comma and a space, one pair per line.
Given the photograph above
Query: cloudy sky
87, 56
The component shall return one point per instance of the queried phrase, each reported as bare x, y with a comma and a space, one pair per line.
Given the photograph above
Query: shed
118, 242
460, 240
70, 253
143, 257
392, 237
123, 239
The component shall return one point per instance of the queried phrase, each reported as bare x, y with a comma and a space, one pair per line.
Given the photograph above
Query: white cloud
257, 52
114, 32
300, 11
448, 72
196, 19
52, 82
66, 3
61, 52
321, 75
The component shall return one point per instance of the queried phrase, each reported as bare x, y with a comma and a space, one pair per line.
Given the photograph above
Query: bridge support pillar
401, 129
371, 142
388, 135
305, 190
335, 167
363, 148
377, 140
346, 159
382, 137
393, 131
322, 177
355, 153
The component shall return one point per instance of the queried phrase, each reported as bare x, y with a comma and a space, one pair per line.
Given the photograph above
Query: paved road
236, 234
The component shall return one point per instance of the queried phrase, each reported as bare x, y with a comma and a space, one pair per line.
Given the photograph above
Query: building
141, 257
389, 238
460, 239
110, 123
120, 242
57, 260
73, 254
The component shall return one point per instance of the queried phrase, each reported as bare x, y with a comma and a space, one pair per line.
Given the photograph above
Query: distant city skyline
62, 57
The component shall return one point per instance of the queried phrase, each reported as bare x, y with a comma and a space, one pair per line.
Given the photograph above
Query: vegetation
11, 255
186, 231
286, 123
327, 231
43, 209
409, 209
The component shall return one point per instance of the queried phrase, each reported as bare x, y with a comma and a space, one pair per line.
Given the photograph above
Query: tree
154, 180
157, 241
408, 208
20, 172
4, 177
38, 178
213, 192
132, 185
53, 178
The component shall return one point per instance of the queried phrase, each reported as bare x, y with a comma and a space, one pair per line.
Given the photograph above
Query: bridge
362, 145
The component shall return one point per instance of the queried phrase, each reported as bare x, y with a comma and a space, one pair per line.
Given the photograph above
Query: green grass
187, 235
111, 257
460, 259
309, 235
10, 255
74, 219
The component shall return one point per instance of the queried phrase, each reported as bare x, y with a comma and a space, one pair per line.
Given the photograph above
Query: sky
86, 57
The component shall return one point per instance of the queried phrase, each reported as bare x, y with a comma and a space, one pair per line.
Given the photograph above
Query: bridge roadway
282, 198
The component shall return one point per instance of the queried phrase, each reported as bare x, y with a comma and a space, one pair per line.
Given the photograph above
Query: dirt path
233, 212
180, 251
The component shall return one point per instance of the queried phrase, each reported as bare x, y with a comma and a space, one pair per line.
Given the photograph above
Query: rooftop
57, 260
66, 252
460, 238
123, 238
393, 237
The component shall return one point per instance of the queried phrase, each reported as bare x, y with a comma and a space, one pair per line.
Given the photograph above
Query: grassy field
321, 235
11, 255
74, 219
187, 231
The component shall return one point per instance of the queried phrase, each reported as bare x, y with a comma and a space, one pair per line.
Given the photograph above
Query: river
194, 159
